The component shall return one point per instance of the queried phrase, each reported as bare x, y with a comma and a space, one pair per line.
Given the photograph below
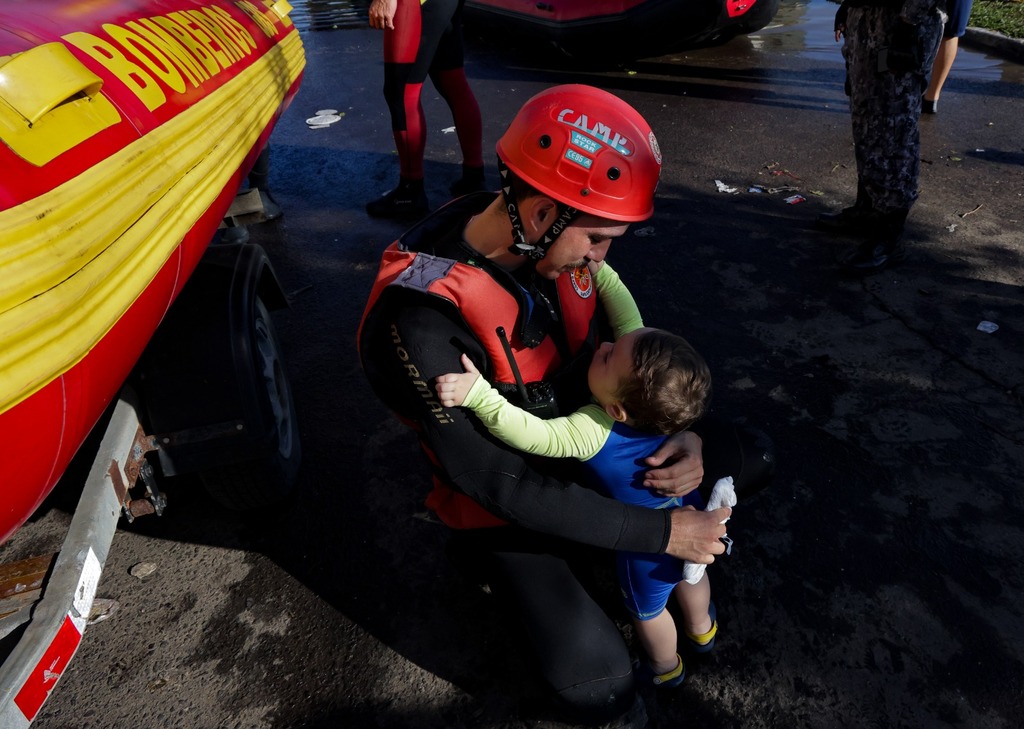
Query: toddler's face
611, 365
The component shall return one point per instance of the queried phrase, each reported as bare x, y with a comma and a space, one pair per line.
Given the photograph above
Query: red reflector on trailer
44, 676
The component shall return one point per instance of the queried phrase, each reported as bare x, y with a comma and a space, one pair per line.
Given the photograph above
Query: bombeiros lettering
177, 50
267, 19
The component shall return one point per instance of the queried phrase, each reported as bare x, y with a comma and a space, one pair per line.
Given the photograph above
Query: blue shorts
647, 580
959, 12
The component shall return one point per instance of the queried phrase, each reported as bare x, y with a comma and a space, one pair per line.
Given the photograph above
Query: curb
998, 44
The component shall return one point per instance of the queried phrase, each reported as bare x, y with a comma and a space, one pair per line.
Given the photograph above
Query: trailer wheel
271, 476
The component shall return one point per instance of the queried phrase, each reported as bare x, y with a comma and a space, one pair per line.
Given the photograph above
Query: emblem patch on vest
583, 282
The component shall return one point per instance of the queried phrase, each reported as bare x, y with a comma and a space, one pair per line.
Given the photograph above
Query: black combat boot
882, 249
855, 219
472, 180
408, 200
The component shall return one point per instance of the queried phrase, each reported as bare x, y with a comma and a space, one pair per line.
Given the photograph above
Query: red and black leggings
427, 40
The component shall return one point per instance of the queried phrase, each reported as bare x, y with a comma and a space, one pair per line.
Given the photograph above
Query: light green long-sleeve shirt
623, 313
580, 435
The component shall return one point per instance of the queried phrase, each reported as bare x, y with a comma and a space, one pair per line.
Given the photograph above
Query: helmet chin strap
520, 246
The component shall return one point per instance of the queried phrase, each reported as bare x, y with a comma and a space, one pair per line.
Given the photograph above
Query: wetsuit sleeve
623, 313
580, 435
404, 349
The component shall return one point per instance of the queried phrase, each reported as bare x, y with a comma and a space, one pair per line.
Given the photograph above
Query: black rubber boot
271, 209
855, 219
883, 248
472, 180
234, 234
847, 220
408, 200
259, 179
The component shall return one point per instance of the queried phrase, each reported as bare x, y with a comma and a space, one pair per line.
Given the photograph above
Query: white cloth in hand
723, 494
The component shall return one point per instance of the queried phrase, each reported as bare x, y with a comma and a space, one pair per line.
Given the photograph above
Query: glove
906, 54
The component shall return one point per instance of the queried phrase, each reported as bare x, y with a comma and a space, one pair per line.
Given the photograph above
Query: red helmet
586, 148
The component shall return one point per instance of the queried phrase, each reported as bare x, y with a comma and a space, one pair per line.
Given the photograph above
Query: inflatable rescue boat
621, 29
126, 128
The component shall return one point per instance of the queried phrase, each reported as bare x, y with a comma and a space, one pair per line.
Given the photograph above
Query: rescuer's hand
696, 535
677, 466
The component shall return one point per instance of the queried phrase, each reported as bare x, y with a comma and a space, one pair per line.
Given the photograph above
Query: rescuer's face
587, 239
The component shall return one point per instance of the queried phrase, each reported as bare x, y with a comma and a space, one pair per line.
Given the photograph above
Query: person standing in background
959, 12
421, 38
889, 46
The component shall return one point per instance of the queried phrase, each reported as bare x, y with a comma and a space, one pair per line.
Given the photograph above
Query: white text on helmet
598, 130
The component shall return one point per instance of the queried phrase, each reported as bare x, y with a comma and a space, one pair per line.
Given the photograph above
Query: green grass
1002, 16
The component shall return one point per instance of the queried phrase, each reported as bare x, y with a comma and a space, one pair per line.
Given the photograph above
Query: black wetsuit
538, 563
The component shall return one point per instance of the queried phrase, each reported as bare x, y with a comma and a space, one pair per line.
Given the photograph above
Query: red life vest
484, 305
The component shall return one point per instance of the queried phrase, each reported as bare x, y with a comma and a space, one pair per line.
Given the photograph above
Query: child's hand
594, 267
453, 388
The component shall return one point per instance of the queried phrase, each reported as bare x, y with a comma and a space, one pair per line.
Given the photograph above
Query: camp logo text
597, 130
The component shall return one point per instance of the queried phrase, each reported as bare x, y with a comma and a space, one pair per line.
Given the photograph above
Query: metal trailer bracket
58, 620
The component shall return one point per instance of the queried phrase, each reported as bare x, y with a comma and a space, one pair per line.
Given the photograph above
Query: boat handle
37, 81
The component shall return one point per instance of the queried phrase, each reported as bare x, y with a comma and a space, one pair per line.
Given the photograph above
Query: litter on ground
322, 120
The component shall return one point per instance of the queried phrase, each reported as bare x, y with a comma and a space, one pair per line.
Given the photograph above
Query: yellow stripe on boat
73, 260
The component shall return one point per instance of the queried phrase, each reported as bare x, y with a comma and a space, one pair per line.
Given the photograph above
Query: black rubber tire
272, 476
